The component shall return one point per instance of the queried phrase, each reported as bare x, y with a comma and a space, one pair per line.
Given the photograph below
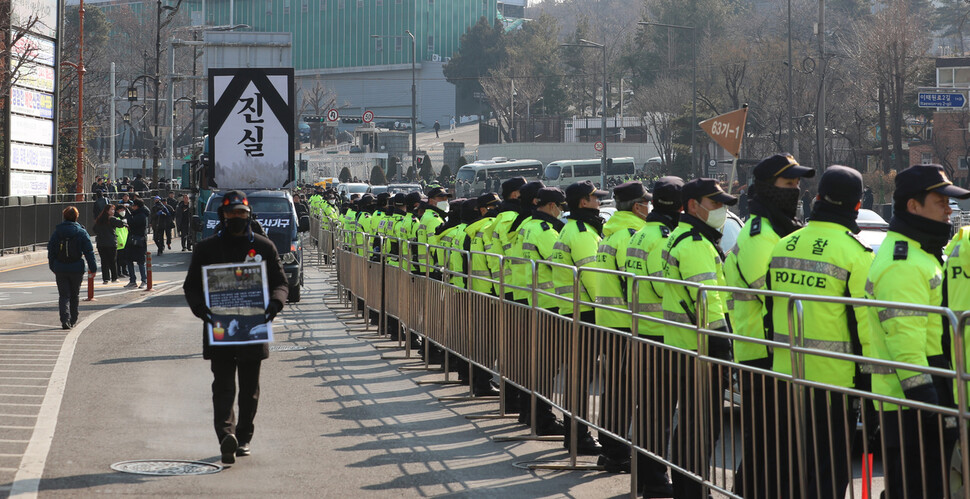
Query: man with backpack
162, 217
67, 249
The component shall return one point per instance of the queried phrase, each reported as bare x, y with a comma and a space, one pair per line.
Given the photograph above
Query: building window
305, 6
963, 162
926, 158
286, 7
380, 3
431, 42
323, 4
269, 7
360, 4
397, 43
340, 4
380, 44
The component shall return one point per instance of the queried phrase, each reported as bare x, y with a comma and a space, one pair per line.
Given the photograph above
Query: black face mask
491, 213
785, 199
237, 225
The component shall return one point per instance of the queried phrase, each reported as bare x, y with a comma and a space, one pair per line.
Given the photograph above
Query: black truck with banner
276, 214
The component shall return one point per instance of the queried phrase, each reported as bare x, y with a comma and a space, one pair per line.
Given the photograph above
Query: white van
480, 176
345, 190
561, 173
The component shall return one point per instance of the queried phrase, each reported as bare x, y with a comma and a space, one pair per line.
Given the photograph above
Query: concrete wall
386, 91
549, 152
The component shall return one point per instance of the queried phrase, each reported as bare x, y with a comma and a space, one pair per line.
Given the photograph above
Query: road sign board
950, 100
333, 115
727, 129
598, 146
368, 116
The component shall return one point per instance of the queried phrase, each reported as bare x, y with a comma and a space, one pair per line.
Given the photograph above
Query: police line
565, 361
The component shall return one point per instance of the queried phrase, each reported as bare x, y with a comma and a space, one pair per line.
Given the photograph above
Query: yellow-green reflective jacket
690, 256
644, 257
425, 234
903, 272
957, 272
823, 259
745, 266
610, 289
576, 246
479, 271
538, 239
500, 242
518, 271
122, 233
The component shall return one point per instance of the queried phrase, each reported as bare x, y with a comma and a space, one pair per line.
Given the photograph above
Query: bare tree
658, 106
499, 87
17, 51
317, 100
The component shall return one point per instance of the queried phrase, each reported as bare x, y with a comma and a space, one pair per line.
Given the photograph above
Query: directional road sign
950, 100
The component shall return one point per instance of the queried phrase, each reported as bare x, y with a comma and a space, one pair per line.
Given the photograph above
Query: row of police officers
669, 240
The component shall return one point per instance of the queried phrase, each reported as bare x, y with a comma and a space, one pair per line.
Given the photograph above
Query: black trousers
687, 448
122, 261
902, 431
753, 478
582, 405
655, 410
224, 372
68, 291
615, 407
109, 264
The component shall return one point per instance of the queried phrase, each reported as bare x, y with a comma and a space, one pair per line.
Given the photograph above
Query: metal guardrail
734, 429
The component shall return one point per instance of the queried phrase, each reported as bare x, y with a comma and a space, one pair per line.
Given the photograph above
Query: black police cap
630, 191
413, 198
918, 179
548, 195
840, 186
488, 199
667, 192
579, 190
511, 185
399, 199
700, 188
438, 192
780, 165
528, 191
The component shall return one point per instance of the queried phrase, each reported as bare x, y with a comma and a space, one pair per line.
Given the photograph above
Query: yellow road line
23, 267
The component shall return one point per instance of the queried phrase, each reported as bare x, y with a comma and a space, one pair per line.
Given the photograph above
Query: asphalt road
335, 418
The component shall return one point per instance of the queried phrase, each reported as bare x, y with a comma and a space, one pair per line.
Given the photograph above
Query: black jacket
105, 232
138, 223
223, 248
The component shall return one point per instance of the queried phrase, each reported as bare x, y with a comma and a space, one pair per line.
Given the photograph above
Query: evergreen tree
344, 176
377, 176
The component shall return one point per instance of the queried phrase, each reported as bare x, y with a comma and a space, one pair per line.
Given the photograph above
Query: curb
23, 259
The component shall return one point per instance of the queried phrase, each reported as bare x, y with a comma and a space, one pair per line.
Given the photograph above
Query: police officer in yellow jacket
826, 259
508, 211
539, 235
632, 208
434, 216
577, 245
908, 268
957, 281
644, 257
692, 254
479, 275
773, 201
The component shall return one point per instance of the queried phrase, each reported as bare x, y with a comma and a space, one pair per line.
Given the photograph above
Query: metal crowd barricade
682, 408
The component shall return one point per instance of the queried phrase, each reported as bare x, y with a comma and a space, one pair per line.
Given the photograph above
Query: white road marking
157, 286
26, 483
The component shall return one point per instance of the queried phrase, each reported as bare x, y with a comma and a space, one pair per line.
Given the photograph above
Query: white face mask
716, 218
443, 206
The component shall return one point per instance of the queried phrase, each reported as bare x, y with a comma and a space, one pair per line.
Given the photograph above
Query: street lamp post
693, 84
414, 104
588, 44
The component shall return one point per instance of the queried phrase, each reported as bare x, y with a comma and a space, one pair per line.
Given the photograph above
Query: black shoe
552, 427
243, 450
524, 417
611, 465
65, 325
486, 391
586, 445
660, 490
228, 448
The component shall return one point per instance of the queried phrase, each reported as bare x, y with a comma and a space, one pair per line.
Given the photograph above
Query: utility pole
111, 125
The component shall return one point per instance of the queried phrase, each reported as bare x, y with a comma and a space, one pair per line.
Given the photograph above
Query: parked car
874, 228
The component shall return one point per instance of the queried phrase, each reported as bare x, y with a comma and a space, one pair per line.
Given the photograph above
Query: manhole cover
166, 467
285, 348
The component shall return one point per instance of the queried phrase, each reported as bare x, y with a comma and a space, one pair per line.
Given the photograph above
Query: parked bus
564, 172
488, 175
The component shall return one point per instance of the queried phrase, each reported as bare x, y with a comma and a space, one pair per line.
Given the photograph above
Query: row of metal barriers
729, 429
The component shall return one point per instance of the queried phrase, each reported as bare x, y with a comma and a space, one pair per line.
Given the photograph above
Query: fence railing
734, 429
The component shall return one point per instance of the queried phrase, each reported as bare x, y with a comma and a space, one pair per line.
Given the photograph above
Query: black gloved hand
925, 393
272, 309
201, 311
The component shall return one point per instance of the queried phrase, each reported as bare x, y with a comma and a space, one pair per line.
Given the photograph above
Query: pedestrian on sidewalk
67, 249
451, 125
437, 126
104, 229
137, 242
236, 243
